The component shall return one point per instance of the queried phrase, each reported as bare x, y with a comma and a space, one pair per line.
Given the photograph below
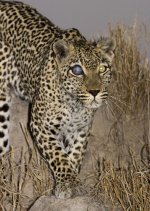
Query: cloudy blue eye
77, 70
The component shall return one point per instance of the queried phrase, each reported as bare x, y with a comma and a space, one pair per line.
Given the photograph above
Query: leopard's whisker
110, 108
120, 101
116, 105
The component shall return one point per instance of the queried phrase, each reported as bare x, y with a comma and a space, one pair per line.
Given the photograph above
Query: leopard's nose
94, 92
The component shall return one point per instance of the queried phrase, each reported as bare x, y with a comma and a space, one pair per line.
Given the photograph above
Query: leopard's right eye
102, 69
77, 70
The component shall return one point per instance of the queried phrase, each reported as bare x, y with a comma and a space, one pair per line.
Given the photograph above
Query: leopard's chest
78, 122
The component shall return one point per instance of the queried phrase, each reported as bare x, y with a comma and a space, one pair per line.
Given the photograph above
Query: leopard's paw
65, 189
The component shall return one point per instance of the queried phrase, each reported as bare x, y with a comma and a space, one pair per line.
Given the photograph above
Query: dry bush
129, 99
23, 179
128, 188
130, 87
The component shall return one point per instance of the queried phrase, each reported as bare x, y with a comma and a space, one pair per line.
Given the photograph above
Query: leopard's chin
94, 104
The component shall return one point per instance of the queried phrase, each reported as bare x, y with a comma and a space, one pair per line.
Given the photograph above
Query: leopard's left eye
102, 69
77, 70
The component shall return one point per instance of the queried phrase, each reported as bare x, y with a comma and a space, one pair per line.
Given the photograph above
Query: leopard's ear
62, 49
106, 45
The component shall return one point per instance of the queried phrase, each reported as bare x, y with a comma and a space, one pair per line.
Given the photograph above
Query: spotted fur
64, 76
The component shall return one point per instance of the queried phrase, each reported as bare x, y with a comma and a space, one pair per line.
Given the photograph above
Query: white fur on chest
79, 121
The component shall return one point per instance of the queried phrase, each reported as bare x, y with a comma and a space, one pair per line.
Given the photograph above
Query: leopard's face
85, 70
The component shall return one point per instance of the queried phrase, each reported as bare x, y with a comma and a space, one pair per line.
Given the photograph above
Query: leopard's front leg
51, 148
77, 148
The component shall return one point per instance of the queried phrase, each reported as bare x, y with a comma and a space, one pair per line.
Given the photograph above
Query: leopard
63, 76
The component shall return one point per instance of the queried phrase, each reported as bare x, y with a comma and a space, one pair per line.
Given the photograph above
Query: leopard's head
85, 69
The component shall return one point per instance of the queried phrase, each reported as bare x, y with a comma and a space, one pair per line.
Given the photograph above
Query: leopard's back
29, 36
20, 23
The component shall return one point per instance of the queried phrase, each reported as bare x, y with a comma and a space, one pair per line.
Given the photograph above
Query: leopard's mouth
94, 104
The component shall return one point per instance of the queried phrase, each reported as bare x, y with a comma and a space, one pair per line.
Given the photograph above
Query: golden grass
129, 189
28, 178
130, 87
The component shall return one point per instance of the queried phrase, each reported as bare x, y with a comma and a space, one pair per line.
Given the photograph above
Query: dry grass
128, 188
130, 88
29, 178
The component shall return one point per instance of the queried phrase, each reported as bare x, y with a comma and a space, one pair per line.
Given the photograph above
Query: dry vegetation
130, 89
29, 178
126, 187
